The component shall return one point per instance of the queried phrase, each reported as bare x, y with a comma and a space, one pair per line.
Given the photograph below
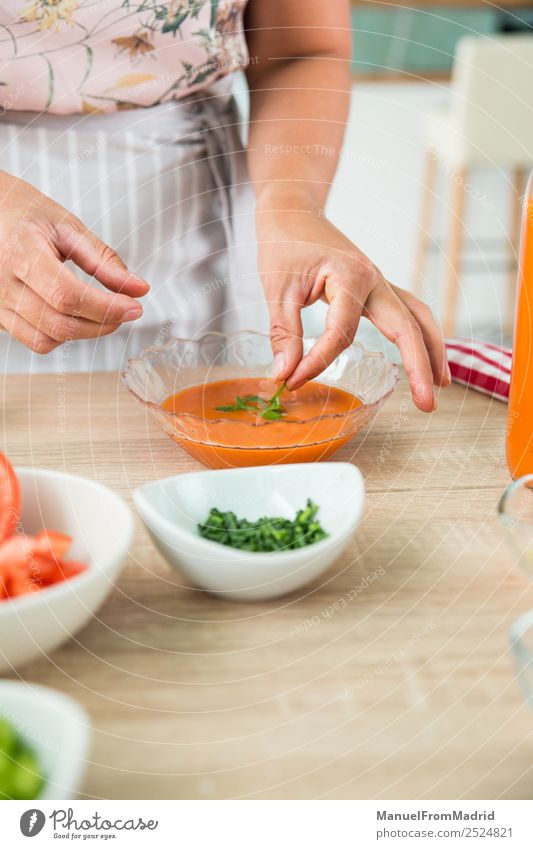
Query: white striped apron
166, 187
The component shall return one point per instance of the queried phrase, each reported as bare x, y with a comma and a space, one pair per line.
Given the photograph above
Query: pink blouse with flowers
74, 56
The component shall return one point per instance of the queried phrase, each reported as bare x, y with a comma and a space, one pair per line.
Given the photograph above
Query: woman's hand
304, 258
42, 302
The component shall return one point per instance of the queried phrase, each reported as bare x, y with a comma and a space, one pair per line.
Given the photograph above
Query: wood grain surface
391, 677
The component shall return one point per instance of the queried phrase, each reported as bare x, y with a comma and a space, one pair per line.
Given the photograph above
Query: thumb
78, 243
286, 332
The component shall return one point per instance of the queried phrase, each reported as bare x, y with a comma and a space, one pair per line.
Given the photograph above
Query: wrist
283, 196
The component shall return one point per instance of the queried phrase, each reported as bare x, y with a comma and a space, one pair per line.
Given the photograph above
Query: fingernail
132, 314
448, 373
144, 283
279, 364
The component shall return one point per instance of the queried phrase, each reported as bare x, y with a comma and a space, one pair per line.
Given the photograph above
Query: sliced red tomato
28, 564
70, 568
52, 543
9, 498
15, 558
45, 570
20, 584
16, 550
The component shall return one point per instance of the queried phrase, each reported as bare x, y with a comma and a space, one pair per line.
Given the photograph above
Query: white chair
489, 122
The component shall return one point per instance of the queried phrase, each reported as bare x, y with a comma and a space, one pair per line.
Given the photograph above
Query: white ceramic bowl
101, 525
57, 729
172, 508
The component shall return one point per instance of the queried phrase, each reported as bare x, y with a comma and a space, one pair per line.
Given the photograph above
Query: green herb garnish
266, 534
269, 408
21, 775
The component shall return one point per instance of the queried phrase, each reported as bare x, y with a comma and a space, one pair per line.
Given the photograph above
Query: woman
122, 155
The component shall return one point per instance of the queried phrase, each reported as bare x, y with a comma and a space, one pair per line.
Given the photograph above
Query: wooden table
390, 678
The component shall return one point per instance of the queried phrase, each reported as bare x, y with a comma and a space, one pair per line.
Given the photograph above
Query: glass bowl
515, 511
162, 371
521, 637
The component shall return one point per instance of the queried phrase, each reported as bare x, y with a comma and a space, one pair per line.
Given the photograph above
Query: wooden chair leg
519, 177
421, 255
454, 251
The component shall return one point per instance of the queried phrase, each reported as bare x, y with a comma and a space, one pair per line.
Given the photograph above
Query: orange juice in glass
520, 421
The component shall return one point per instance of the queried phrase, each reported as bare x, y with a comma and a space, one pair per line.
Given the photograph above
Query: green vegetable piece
256, 399
272, 406
26, 779
8, 736
275, 400
240, 404
20, 772
5, 767
267, 533
274, 409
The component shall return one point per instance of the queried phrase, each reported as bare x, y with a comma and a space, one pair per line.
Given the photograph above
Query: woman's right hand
42, 302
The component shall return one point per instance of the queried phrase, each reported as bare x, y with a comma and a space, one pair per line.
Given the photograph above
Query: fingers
26, 333
286, 332
433, 338
92, 255
390, 315
342, 321
59, 287
59, 327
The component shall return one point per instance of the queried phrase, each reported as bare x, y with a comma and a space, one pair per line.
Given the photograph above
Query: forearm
298, 111
299, 84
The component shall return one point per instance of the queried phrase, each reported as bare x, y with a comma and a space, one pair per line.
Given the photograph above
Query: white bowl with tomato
63, 540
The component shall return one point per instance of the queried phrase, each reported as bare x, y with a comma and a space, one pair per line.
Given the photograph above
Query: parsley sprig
267, 533
270, 408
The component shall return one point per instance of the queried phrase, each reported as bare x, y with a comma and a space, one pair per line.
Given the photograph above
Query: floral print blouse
75, 56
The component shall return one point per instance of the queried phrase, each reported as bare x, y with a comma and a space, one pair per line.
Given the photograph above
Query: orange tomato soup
315, 423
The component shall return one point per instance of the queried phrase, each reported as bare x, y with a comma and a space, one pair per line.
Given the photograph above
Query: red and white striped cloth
481, 366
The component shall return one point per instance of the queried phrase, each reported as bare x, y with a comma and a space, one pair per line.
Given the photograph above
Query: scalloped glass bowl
162, 371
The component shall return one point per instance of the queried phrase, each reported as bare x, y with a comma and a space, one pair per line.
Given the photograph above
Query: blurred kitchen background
418, 84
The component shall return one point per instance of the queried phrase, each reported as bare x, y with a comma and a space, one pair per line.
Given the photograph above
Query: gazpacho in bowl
214, 396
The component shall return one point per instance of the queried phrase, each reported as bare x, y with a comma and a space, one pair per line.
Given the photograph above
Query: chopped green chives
267, 533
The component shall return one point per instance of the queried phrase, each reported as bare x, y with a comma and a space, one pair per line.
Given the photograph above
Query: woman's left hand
303, 258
